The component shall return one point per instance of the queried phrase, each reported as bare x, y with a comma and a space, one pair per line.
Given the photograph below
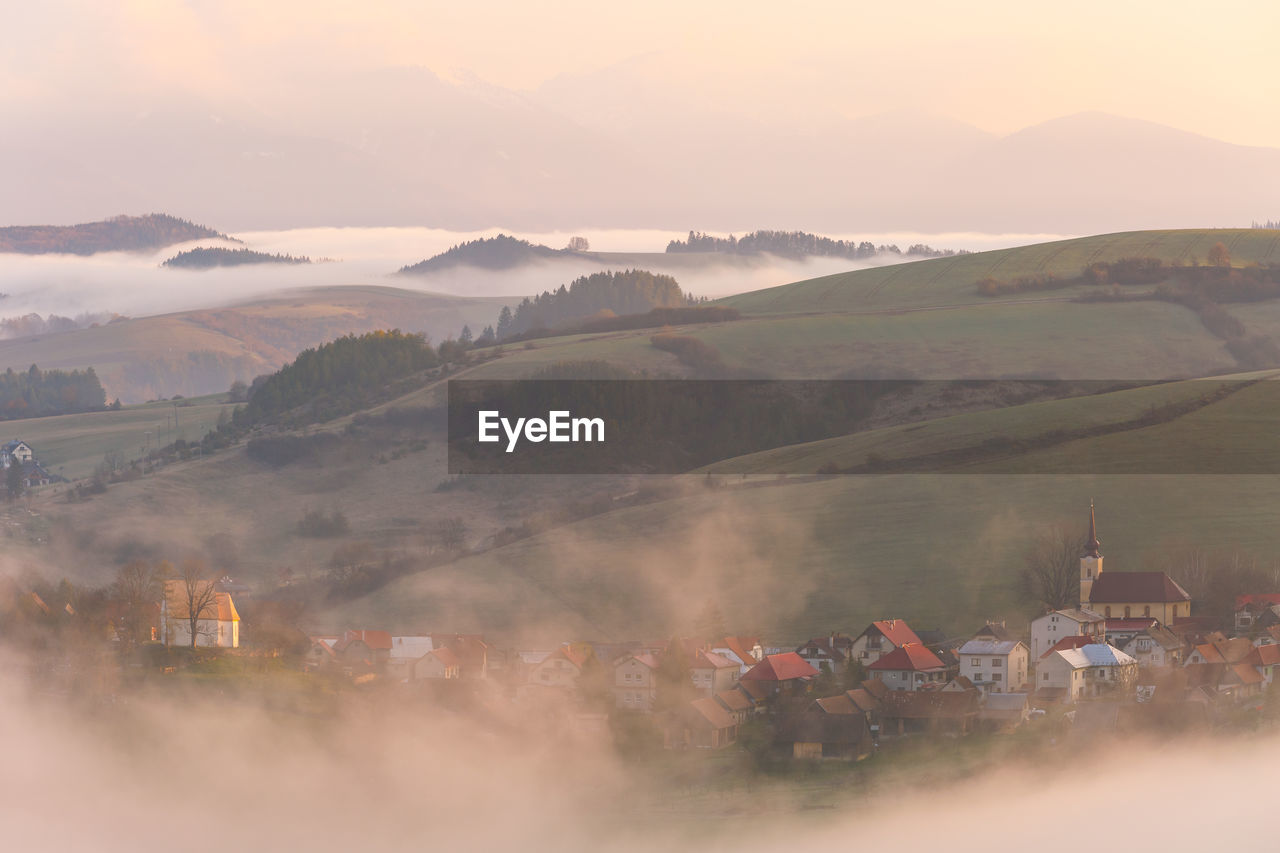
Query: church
1128, 595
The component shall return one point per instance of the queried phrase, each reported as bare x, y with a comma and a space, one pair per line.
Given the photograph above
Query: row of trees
36, 393
208, 257
627, 292
798, 244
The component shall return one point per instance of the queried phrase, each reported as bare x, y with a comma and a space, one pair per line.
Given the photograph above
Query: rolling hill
119, 234
199, 352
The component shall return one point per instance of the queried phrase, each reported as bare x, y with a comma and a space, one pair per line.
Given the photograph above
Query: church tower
1090, 561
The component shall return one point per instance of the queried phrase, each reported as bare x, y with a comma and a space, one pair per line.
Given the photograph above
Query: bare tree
1051, 568
199, 595
137, 586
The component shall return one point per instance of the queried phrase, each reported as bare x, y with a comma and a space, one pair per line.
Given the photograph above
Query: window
995, 676
1045, 677
975, 662
1146, 611
1107, 612
997, 662
1126, 611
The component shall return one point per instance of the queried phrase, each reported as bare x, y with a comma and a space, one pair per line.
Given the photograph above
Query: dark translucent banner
824, 428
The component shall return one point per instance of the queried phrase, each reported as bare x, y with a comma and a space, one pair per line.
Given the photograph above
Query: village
1129, 658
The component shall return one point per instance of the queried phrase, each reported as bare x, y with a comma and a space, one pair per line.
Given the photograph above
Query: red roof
711, 660
742, 646
445, 656
912, 657
1135, 588
1072, 642
896, 631
782, 667
1268, 654
372, 639
1266, 598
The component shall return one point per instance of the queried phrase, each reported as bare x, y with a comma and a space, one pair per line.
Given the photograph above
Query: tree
13, 480
465, 337
200, 596
855, 672
674, 679
1051, 568
1219, 256
137, 586
709, 625
825, 684
578, 244
239, 392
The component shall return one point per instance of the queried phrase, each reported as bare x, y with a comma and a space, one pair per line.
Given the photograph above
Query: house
363, 651
1127, 594
739, 705
906, 712
404, 652
635, 682
437, 664
1221, 651
320, 654
1155, 646
1249, 607
880, 638
217, 622
833, 650
561, 668
712, 673
746, 650
471, 650
16, 451
995, 666
1230, 681
1048, 629
1071, 674
34, 474
909, 667
702, 724
786, 671
1004, 711
816, 735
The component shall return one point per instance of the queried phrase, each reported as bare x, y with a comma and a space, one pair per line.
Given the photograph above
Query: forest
35, 393
341, 376
798, 245
208, 257
601, 294
119, 234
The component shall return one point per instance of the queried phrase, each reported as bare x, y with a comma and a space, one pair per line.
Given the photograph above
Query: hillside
200, 352
120, 234
950, 281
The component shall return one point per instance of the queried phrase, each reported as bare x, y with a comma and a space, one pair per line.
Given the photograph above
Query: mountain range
406, 147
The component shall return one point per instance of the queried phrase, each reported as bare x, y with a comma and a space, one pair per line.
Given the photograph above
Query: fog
199, 769
135, 283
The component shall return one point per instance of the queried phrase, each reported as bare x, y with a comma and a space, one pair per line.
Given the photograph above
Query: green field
950, 281
73, 445
1235, 425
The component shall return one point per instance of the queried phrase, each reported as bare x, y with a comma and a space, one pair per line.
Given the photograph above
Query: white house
1048, 629
880, 638
16, 451
1088, 671
217, 622
995, 666
910, 667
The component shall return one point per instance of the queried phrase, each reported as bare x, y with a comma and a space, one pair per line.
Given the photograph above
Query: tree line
121, 233
208, 257
599, 294
35, 393
799, 244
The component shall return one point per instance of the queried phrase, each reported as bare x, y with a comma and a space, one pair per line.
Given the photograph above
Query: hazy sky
1000, 65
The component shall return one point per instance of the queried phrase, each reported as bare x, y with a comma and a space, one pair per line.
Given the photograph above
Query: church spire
1091, 547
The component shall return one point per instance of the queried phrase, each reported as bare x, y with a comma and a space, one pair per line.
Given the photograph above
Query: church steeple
1091, 547
1090, 561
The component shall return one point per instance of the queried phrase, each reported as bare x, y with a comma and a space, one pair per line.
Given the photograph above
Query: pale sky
998, 65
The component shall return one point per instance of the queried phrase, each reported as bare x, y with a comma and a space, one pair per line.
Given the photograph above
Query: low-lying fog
135, 284
222, 771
